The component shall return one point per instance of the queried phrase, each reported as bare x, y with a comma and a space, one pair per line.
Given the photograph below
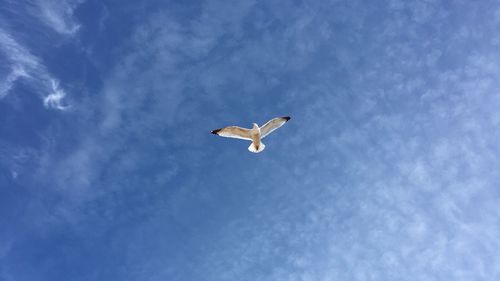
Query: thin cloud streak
5, 86
58, 15
25, 65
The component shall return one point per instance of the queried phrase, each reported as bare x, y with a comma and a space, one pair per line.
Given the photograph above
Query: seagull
256, 134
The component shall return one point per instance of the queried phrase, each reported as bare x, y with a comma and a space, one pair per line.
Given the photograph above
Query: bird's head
255, 126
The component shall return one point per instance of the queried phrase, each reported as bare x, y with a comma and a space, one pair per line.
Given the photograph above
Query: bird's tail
253, 149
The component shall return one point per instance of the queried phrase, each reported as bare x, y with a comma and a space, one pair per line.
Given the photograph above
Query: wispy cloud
55, 99
153, 99
7, 84
59, 15
24, 65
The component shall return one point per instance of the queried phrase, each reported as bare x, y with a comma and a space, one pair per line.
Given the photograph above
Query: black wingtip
287, 118
215, 131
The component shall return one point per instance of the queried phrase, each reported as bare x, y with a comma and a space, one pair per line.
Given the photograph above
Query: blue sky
388, 169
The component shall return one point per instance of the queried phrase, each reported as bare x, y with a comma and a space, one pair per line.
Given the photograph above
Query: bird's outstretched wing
233, 132
272, 125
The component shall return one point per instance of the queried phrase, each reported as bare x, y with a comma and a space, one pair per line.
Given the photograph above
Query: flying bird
256, 134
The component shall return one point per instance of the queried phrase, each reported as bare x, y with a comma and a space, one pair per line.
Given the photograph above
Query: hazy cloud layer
387, 170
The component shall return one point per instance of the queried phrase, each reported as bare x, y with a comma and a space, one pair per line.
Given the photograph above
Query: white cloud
59, 15
7, 84
55, 99
16, 53
24, 65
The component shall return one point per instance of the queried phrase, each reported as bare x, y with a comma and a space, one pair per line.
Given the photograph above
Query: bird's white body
256, 146
256, 134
